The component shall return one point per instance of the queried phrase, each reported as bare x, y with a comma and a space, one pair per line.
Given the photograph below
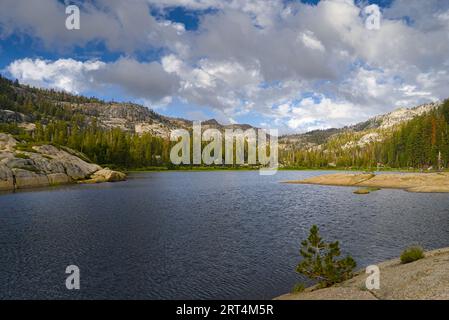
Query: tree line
421, 143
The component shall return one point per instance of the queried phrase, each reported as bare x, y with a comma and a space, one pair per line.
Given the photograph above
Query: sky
292, 65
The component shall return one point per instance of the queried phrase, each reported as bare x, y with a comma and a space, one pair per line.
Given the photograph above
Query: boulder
366, 190
8, 116
107, 175
7, 142
362, 191
77, 170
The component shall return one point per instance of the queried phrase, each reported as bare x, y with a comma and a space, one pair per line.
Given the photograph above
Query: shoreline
166, 169
411, 182
422, 279
36, 166
343, 178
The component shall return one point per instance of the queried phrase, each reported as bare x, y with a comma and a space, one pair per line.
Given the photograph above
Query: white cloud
139, 80
311, 114
64, 74
250, 56
122, 26
311, 41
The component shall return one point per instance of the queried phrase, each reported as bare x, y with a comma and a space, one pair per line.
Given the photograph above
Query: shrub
21, 155
25, 147
298, 288
412, 254
319, 261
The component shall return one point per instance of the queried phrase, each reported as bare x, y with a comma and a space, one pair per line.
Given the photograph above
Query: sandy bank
412, 182
424, 279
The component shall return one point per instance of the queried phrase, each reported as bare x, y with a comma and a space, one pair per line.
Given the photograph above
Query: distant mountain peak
212, 122
403, 114
363, 132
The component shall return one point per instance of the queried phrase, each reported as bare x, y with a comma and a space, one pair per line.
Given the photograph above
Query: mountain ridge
381, 122
133, 135
139, 119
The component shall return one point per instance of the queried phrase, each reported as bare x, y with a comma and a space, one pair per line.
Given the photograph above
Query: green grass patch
412, 254
298, 288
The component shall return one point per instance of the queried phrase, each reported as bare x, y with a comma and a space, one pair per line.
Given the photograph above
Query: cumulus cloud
250, 56
122, 26
311, 114
64, 74
140, 80
147, 80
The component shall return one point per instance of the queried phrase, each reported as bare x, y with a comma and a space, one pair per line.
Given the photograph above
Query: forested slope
127, 135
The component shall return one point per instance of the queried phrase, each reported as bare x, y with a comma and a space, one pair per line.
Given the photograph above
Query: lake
198, 235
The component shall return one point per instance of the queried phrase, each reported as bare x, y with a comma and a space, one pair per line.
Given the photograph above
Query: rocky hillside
18, 105
396, 117
45, 165
128, 135
358, 135
139, 119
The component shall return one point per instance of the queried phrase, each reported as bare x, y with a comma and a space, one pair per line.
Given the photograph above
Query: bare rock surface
339, 179
106, 175
7, 142
28, 179
425, 279
46, 165
8, 116
6, 178
412, 182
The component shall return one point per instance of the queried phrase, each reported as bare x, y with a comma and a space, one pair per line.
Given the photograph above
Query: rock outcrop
106, 175
139, 119
423, 279
8, 116
412, 182
364, 133
46, 165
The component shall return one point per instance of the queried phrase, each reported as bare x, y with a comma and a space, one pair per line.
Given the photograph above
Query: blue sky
17, 45
292, 65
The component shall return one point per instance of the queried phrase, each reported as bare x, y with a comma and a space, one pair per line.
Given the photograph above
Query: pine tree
319, 261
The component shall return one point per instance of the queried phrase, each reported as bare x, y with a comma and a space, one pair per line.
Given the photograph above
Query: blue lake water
198, 235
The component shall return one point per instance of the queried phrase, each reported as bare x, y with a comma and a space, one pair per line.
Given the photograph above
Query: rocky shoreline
411, 182
46, 165
424, 279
